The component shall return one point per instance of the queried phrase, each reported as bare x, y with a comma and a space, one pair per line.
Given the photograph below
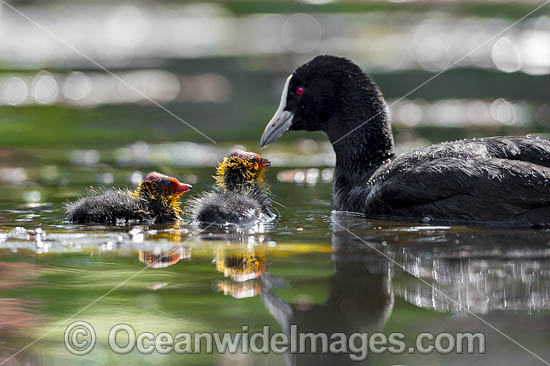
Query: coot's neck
363, 141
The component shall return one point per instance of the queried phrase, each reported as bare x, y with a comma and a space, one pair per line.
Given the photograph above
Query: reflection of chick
240, 290
240, 195
243, 269
164, 260
156, 198
240, 266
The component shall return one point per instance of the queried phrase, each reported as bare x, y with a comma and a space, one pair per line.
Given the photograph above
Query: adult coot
240, 196
155, 199
496, 180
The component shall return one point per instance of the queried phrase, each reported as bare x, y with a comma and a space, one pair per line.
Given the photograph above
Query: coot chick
496, 180
240, 196
155, 199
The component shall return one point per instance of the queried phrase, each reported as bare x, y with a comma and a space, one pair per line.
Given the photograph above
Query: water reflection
480, 285
241, 265
428, 278
17, 315
469, 270
163, 260
484, 272
358, 301
242, 269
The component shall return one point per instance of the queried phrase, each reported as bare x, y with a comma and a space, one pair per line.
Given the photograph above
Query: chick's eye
167, 184
299, 91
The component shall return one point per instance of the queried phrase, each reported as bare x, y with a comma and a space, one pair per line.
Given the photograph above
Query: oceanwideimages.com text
80, 339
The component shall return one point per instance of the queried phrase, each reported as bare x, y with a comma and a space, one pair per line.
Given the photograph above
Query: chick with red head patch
155, 199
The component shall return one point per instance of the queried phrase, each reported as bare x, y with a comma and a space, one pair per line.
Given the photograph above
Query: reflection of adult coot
360, 300
503, 275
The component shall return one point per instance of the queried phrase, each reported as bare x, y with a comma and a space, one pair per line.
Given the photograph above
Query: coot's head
328, 94
160, 193
156, 186
241, 170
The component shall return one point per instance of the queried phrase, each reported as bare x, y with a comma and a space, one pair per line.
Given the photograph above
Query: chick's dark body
106, 208
218, 207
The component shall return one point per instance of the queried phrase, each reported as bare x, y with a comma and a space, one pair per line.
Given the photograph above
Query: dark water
320, 271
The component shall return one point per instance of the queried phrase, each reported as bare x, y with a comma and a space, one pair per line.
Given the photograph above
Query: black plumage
156, 199
240, 196
496, 180
109, 206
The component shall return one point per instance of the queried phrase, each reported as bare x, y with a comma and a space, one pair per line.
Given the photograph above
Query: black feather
108, 207
241, 208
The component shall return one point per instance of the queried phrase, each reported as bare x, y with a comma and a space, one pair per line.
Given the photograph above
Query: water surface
323, 272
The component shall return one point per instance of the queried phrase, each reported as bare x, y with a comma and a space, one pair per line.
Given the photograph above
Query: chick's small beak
182, 187
264, 163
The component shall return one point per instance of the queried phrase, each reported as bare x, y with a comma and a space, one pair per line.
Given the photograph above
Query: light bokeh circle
301, 33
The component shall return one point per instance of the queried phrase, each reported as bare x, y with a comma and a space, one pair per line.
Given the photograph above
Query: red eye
299, 91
